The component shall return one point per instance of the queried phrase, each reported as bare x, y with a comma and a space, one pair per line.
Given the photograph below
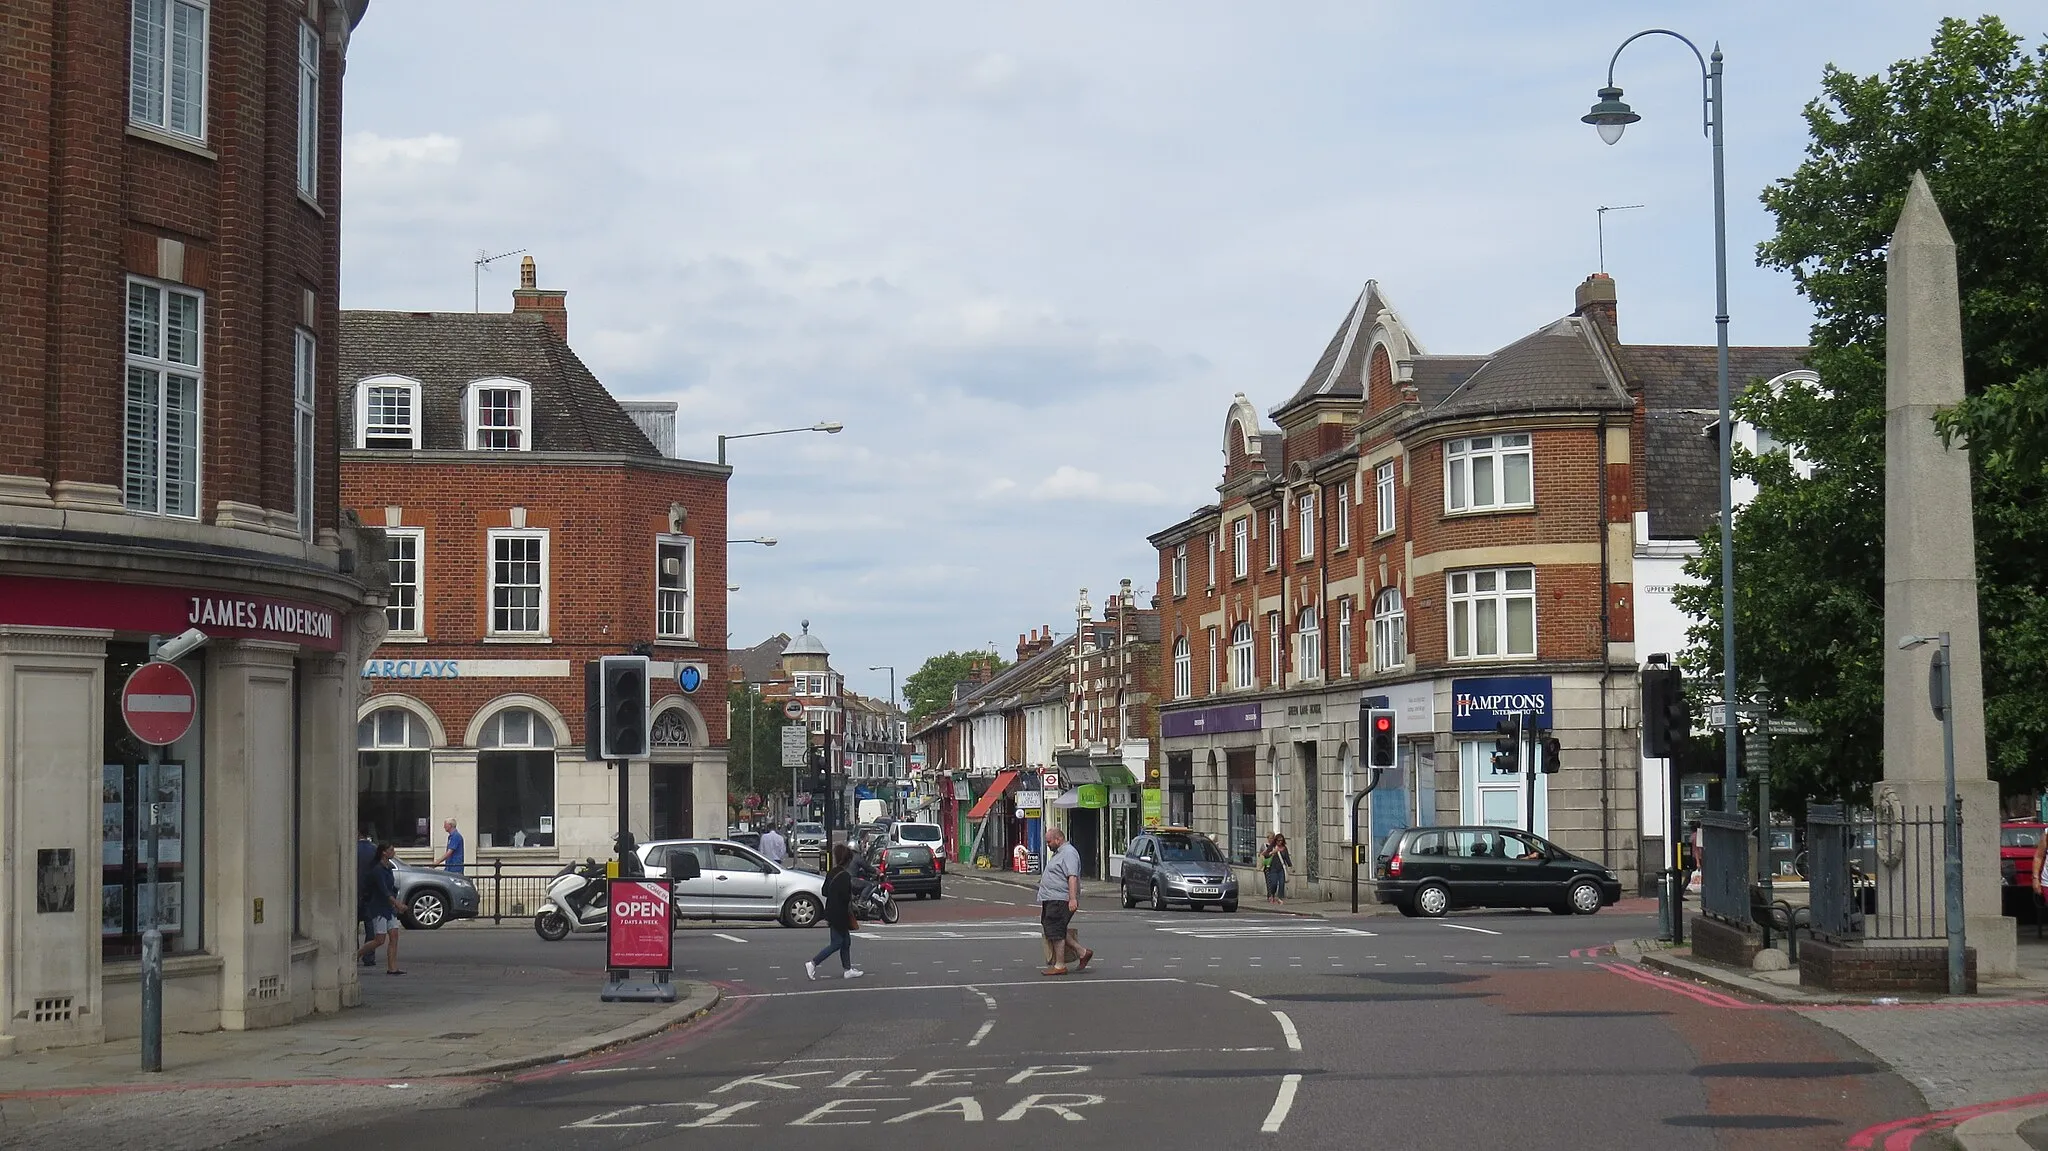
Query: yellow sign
611, 869
1363, 854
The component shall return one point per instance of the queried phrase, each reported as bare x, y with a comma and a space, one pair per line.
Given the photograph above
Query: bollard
153, 999
1664, 906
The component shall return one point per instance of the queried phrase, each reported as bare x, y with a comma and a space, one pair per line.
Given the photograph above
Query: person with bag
838, 914
1276, 863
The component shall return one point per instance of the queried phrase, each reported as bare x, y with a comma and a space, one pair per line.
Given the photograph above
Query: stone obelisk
1930, 586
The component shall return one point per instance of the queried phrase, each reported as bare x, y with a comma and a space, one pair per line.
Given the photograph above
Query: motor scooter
877, 902
576, 898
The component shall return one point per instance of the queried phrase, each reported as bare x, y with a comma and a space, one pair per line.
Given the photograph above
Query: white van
920, 835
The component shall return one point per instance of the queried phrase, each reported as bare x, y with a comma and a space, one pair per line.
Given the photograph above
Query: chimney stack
1595, 300
551, 306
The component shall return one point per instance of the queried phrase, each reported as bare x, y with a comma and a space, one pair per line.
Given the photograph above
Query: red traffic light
1383, 723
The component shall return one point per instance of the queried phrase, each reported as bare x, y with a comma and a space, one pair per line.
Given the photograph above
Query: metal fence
1835, 898
1911, 845
1724, 866
512, 890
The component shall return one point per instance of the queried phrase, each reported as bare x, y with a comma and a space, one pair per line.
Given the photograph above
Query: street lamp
1612, 117
1938, 692
764, 541
829, 427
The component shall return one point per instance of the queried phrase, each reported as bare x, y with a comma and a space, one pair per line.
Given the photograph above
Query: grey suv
1172, 865
1430, 870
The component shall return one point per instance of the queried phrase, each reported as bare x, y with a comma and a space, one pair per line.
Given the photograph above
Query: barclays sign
1481, 704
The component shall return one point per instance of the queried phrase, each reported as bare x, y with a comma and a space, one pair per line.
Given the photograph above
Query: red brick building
1454, 533
169, 236
531, 526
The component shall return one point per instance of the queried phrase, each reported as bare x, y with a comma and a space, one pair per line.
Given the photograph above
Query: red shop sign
153, 609
642, 930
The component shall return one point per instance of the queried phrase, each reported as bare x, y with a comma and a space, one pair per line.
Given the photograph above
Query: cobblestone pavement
1955, 1055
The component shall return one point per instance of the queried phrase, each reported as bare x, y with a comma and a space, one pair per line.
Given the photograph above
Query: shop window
393, 777
126, 900
515, 780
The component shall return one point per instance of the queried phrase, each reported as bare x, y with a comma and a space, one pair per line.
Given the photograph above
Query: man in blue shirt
451, 859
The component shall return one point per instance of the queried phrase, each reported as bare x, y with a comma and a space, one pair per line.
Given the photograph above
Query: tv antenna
483, 261
1601, 227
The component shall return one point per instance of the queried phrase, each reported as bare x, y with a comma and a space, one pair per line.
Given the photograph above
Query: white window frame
1240, 547
1180, 569
1344, 514
1383, 493
153, 51
1466, 604
417, 538
149, 362
1389, 630
1183, 669
1273, 522
496, 536
1212, 561
1462, 466
1305, 511
1244, 672
305, 361
1308, 646
1344, 638
473, 431
364, 431
309, 111
667, 606
1215, 659
1276, 648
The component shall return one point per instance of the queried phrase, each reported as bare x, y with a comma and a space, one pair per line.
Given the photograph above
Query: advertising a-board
642, 932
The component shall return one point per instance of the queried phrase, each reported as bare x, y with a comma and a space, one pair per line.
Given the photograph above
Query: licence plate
912, 871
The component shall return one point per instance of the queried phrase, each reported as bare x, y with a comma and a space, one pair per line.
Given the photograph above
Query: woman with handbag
838, 914
1276, 863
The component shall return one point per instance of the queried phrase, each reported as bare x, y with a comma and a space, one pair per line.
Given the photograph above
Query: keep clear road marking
1462, 927
1282, 1104
999, 1084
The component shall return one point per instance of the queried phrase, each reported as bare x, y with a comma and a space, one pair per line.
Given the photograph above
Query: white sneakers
811, 969
854, 973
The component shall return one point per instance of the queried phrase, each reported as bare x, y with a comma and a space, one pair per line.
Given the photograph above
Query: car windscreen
2019, 836
810, 829
1187, 849
918, 832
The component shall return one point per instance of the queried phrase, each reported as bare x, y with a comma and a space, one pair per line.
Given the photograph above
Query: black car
908, 870
1174, 865
1430, 870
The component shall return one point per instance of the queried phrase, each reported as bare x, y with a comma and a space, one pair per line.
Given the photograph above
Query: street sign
1790, 727
158, 703
794, 709
642, 930
795, 752
1052, 780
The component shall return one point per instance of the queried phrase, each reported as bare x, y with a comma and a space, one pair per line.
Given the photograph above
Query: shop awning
995, 792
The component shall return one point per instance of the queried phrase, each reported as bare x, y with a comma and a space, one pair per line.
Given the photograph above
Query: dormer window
388, 415
499, 416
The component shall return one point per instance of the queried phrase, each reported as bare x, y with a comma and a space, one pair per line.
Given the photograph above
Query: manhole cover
1749, 1122
1784, 1070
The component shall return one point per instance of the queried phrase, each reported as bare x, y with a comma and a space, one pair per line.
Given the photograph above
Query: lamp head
829, 427
1909, 642
181, 645
1610, 115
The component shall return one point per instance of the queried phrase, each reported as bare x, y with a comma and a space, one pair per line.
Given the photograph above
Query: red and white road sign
794, 709
158, 703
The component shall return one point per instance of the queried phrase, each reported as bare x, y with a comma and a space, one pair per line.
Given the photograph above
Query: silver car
432, 896
1173, 865
735, 882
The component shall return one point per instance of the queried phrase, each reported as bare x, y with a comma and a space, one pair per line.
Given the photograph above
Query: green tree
754, 763
1973, 115
930, 687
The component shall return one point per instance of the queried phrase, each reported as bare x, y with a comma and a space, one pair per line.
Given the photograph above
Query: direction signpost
157, 703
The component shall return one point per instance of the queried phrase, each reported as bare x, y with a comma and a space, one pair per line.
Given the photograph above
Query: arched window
388, 414
1389, 631
1241, 669
517, 727
671, 729
393, 777
1308, 646
515, 780
1183, 669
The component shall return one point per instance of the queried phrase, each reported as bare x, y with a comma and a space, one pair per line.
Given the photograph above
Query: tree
754, 763
930, 688
1809, 551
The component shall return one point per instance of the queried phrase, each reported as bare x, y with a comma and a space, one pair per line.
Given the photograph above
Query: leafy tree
754, 763
930, 688
1972, 115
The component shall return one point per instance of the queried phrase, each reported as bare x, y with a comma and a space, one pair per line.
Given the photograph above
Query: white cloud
1071, 483
365, 153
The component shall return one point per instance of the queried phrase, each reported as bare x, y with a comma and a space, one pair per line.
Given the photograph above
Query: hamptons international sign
1481, 704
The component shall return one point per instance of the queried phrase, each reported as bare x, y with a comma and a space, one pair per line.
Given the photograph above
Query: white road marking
1249, 998
723, 935
1287, 1029
982, 1033
1171, 1051
952, 987
1282, 1104
987, 1000
612, 1070
1463, 927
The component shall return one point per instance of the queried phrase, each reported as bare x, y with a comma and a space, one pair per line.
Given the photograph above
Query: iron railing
1724, 866
1835, 895
1911, 846
512, 890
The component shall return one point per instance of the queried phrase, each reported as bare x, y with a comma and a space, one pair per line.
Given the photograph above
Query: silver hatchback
736, 882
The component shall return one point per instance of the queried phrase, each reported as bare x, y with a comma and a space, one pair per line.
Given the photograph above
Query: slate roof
762, 662
1558, 367
1682, 459
1340, 372
446, 351
1683, 375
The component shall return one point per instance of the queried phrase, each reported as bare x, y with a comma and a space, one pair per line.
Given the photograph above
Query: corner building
1452, 533
169, 236
531, 526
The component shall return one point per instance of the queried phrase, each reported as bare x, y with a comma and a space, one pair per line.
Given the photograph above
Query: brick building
865, 734
1455, 533
531, 526
169, 238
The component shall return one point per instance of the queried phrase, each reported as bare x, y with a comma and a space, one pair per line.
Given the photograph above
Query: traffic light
1550, 754
1667, 716
622, 706
1508, 734
1380, 750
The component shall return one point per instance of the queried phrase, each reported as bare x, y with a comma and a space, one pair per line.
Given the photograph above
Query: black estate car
1430, 870
1173, 865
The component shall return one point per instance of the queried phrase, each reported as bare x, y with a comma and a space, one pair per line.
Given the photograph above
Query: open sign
642, 929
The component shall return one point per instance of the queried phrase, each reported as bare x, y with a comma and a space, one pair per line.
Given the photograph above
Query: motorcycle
575, 902
877, 902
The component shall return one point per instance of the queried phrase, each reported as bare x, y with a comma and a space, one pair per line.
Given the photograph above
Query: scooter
878, 902
576, 902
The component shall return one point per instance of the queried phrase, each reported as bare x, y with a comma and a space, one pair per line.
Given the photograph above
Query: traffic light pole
1359, 849
1527, 748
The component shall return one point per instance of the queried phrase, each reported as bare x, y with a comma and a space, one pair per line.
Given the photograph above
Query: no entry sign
158, 703
642, 930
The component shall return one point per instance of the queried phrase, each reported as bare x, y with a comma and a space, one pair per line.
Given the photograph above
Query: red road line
1900, 1134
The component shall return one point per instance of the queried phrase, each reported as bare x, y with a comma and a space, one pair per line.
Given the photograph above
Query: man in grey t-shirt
1059, 897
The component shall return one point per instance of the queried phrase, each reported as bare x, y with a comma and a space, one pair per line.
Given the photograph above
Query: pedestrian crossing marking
1264, 931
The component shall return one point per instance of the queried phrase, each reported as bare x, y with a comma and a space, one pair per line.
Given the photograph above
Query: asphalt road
1194, 1030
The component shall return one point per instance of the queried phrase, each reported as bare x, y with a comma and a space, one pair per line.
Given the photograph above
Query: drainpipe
1606, 632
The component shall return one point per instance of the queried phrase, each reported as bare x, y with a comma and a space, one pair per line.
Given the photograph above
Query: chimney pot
550, 305
1595, 299
529, 276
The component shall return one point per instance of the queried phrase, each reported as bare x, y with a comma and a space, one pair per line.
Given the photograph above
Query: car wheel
1584, 897
427, 910
1158, 897
1129, 900
551, 925
1432, 900
1230, 905
1406, 908
802, 910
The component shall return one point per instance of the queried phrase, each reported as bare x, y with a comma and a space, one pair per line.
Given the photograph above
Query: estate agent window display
125, 900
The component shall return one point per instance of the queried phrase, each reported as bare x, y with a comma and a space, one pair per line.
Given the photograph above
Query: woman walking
838, 914
381, 909
1276, 862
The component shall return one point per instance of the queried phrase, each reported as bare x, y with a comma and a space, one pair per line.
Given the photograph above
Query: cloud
368, 154
1071, 483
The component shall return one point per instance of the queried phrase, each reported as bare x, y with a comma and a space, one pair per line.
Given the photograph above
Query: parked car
735, 882
929, 835
909, 869
1175, 865
1430, 870
2017, 840
432, 896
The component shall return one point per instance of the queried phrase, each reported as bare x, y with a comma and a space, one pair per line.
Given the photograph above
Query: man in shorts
1059, 897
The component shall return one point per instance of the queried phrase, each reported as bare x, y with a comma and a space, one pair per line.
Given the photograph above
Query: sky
1027, 252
